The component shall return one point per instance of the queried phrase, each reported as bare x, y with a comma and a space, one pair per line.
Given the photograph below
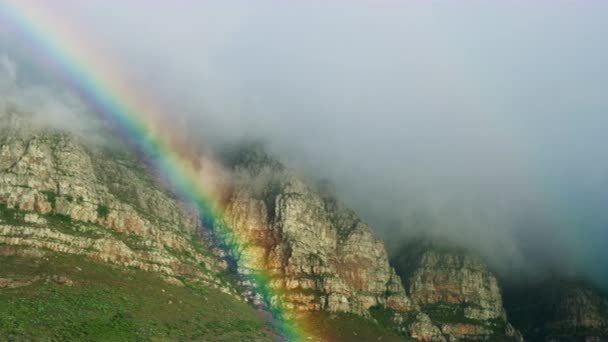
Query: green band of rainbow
99, 82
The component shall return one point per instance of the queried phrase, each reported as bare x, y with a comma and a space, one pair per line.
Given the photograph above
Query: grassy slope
108, 303
105, 303
349, 327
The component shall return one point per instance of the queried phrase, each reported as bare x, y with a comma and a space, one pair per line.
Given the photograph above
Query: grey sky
478, 121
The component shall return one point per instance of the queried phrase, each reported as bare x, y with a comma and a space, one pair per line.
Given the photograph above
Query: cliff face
559, 310
320, 252
457, 291
60, 194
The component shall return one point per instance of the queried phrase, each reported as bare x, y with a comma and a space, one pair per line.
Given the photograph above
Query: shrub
103, 211
61, 218
52, 198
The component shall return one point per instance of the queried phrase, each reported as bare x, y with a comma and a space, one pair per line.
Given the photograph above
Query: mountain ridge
63, 198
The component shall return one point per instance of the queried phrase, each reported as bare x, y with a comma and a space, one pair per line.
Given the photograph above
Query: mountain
93, 246
456, 290
93, 249
467, 301
559, 310
85, 225
321, 252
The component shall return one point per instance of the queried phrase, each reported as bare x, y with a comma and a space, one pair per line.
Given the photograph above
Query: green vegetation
384, 316
134, 241
308, 292
96, 302
10, 215
349, 327
447, 313
455, 313
197, 244
59, 219
16, 216
103, 211
52, 198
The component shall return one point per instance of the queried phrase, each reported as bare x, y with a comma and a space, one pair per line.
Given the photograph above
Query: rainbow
101, 84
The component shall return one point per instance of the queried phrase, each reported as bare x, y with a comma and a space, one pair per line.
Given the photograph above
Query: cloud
8, 73
53, 106
479, 123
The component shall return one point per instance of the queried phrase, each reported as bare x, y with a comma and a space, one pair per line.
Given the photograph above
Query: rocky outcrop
424, 329
559, 310
59, 193
456, 290
319, 253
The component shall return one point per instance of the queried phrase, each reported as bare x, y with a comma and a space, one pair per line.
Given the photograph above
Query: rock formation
61, 194
559, 310
320, 252
456, 290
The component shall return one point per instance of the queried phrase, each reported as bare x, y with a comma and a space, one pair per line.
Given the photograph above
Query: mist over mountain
480, 124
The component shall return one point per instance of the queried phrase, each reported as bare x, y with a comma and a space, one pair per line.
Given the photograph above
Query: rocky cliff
559, 310
61, 194
456, 290
320, 252
65, 198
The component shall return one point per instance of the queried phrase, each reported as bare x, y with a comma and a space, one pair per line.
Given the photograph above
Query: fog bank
481, 123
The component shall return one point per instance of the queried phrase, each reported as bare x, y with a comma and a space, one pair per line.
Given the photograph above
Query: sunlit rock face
456, 290
319, 252
62, 194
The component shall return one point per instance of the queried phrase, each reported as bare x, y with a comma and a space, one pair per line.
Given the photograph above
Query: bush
10, 215
61, 218
103, 211
52, 198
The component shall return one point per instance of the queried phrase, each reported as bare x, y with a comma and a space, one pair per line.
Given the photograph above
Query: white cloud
485, 118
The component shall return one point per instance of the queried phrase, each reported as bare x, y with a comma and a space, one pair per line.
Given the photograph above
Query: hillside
93, 247
457, 290
86, 230
559, 309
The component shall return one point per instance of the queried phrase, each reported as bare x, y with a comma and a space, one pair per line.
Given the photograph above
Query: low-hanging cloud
49, 106
480, 123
